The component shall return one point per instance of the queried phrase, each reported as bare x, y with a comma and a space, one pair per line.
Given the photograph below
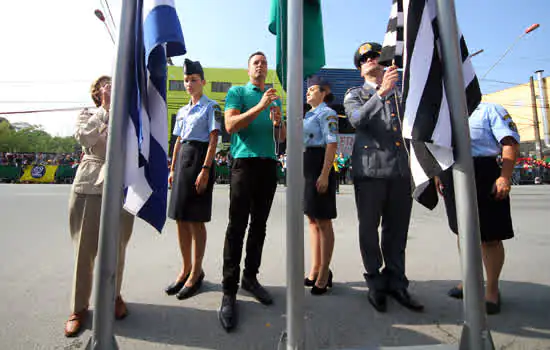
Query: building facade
518, 102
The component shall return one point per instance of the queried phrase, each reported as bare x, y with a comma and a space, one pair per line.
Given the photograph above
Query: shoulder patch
351, 93
507, 117
513, 126
333, 127
332, 117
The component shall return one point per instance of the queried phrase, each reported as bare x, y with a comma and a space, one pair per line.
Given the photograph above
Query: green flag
314, 47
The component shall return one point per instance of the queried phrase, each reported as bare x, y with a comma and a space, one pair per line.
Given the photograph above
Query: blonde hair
95, 90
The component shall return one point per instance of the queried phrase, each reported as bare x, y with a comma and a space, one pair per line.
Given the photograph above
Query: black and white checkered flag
393, 45
426, 120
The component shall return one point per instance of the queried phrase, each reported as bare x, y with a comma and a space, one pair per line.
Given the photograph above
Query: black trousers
388, 200
253, 185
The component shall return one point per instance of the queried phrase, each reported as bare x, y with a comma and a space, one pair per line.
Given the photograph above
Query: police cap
369, 48
323, 84
192, 67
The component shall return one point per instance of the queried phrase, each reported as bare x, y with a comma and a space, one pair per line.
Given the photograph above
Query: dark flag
426, 120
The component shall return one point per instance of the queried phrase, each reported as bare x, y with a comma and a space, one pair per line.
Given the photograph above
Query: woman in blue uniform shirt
192, 177
492, 133
320, 141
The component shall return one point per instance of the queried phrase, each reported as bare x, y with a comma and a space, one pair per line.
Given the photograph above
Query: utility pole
538, 142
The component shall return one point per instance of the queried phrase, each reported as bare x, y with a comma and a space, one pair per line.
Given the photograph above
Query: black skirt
185, 203
495, 220
317, 205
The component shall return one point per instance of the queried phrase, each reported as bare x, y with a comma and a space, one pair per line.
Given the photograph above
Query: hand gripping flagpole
294, 192
111, 206
475, 334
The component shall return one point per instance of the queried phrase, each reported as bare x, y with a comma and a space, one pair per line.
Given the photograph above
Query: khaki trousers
84, 216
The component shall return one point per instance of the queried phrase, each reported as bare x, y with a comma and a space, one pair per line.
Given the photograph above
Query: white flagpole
111, 206
295, 189
475, 334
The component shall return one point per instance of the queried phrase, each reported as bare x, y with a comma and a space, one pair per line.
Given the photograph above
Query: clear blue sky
60, 46
222, 33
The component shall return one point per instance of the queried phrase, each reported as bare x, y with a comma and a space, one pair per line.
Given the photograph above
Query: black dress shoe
493, 308
456, 293
175, 287
322, 290
403, 297
228, 312
188, 292
255, 288
377, 299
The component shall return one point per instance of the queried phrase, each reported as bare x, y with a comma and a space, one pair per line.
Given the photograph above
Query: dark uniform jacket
379, 150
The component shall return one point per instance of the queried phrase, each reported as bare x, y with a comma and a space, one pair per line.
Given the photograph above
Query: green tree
33, 139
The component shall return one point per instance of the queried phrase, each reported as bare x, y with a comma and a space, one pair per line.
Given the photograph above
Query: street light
101, 17
527, 31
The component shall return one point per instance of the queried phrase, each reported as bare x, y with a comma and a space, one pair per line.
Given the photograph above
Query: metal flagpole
475, 334
111, 206
294, 192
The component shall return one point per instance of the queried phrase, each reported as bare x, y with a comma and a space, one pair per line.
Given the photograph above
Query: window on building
220, 86
176, 85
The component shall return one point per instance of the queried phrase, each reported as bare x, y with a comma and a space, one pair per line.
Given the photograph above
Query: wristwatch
206, 166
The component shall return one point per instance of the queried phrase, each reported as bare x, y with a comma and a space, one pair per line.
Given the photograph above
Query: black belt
193, 142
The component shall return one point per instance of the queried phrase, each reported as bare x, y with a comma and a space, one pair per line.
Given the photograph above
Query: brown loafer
121, 311
74, 324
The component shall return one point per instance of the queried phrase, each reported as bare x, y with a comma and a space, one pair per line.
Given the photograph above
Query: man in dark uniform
381, 178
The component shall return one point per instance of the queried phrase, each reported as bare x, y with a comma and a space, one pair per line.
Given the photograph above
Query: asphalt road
37, 262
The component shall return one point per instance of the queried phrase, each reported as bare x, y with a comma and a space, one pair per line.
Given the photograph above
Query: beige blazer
91, 133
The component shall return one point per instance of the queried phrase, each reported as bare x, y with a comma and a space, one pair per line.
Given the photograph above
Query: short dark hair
255, 54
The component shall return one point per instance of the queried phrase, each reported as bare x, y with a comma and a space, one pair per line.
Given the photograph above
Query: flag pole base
486, 336
415, 347
93, 346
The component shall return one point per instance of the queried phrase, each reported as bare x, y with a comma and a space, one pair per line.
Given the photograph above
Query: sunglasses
369, 55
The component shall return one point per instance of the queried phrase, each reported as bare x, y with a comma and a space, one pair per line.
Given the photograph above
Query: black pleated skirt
185, 203
317, 205
495, 219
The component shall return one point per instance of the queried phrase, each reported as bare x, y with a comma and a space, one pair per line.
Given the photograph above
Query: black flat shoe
493, 308
309, 283
188, 292
175, 287
456, 293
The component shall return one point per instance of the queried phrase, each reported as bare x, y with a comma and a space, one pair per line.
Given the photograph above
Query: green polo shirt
257, 139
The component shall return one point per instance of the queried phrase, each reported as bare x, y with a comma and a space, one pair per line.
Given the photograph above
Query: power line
46, 110
38, 102
502, 82
110, 14
33, 82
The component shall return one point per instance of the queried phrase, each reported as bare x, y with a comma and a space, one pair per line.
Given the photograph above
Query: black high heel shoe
309, 283
322, 290
175, 287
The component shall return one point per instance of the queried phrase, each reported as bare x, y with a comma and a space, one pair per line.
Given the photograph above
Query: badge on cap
365, 48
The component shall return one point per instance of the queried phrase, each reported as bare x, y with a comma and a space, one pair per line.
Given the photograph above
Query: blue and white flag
158, 36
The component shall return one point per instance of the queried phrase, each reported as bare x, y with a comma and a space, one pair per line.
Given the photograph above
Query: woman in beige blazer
85, 207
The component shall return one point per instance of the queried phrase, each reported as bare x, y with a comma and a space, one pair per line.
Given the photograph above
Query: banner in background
39, 173
345, 144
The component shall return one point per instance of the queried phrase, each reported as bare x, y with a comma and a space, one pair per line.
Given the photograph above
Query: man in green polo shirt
253, 118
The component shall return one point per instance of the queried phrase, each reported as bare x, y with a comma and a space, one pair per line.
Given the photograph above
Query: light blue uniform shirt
195, 123
320, 126
489, 124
